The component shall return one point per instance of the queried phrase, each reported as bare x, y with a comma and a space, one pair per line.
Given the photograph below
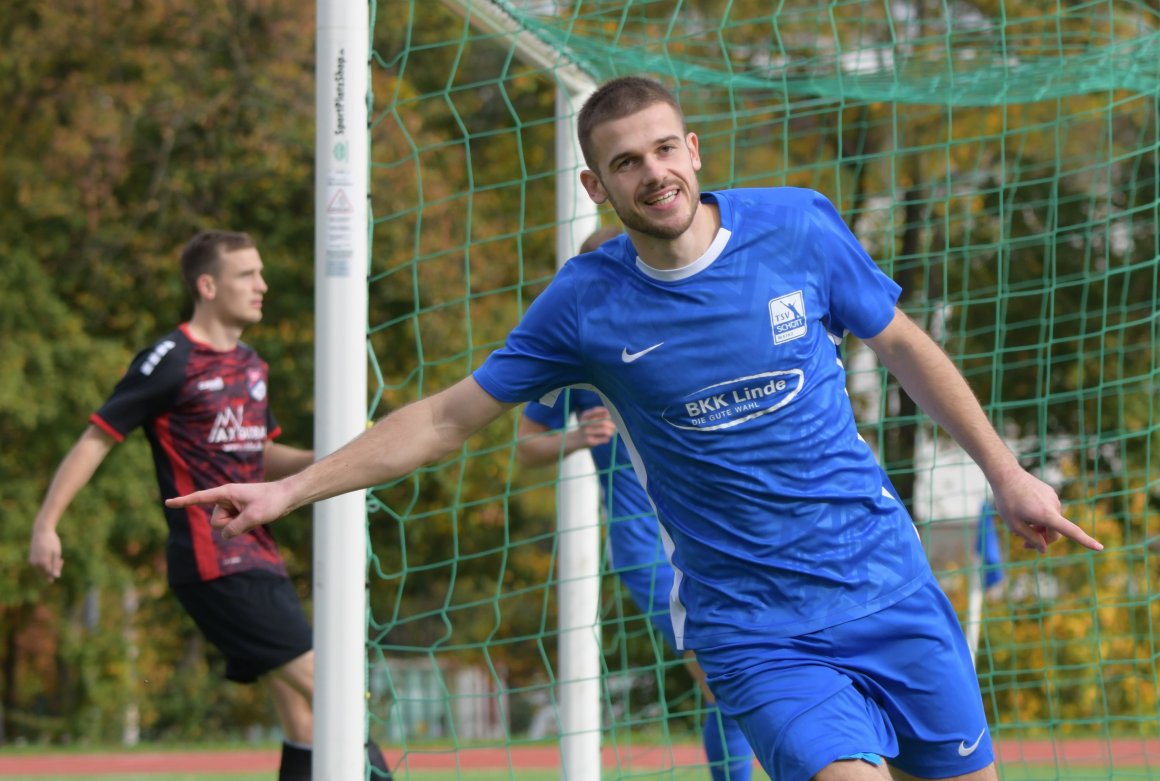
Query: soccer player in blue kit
635, 550
800, 581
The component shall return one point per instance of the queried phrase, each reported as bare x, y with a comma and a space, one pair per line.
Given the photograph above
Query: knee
297, 720
298, 674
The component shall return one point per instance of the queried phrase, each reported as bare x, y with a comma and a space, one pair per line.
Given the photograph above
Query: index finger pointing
208, 496
1073, 532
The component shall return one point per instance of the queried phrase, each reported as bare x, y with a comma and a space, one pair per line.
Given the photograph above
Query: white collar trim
684, 272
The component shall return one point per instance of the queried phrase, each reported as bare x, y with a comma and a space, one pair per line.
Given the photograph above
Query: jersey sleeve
862, 298
542, 353
550, 417
273, 430
148, 389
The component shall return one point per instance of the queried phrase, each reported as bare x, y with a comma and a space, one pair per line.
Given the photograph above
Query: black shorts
254, 618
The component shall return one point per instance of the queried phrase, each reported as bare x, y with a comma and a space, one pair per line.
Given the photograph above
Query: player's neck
213, 332
686, 248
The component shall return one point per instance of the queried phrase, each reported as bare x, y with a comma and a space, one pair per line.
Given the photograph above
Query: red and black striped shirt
207, 418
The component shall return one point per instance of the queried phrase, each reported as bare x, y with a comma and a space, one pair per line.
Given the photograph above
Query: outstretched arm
397, 445
1029, 506
540, 446
73, 474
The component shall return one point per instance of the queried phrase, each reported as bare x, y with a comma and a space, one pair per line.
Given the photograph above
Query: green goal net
999, 160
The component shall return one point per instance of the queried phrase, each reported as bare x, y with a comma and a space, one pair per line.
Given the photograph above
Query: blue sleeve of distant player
551, 418
862, 298
541, 353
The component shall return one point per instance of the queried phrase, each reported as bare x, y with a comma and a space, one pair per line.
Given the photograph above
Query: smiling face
234, 294
645, 166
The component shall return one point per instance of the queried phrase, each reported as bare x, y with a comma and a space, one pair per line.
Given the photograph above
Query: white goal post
341, 242
341, 249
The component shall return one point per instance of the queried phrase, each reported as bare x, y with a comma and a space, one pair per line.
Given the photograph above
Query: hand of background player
596, 428
239, 507
1031, 509
44, 553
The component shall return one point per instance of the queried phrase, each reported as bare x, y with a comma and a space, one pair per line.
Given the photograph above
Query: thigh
799, 710
914, 697
913, 660
253, 618
298, 674
989, 773
799, 735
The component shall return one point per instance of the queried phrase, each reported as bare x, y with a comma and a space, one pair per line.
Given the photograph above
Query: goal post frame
342, 261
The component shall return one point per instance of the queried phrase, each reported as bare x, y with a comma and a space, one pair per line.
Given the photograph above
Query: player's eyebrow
672, 137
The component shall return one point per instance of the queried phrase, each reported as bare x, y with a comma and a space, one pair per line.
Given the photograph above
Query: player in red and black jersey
200, 394
205, 413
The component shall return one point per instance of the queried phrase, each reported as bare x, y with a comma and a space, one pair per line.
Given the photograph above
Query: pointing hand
238, 507
1031, 509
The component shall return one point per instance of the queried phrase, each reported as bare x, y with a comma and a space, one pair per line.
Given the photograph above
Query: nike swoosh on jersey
965, 750
628, 357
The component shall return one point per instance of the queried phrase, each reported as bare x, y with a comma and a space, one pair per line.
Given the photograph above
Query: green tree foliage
52, 376
129, 130
129, 127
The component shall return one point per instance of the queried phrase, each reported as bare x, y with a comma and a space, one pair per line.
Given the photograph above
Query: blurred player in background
635, 550
201, 396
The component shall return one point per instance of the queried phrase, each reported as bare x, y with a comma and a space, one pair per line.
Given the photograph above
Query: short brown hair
203, 254
615, 99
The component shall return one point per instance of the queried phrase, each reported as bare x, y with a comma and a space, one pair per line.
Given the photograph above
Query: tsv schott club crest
787, 317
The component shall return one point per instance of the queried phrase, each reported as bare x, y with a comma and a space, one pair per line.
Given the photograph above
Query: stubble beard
636, 222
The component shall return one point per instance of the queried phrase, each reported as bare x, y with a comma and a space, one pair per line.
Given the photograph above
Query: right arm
408, 438
539, 446
1029, 507
71, 476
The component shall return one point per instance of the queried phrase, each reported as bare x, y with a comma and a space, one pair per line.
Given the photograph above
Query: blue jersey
724, 382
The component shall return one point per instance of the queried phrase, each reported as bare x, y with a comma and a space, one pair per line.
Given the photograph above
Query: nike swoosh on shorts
965, 750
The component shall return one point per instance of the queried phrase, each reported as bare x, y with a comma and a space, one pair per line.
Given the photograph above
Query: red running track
1126, 752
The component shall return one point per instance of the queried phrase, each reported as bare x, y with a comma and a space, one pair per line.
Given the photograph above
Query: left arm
538, 446
283, 460
1029, 506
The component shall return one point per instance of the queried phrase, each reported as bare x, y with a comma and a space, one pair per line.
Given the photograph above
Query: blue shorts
898, 683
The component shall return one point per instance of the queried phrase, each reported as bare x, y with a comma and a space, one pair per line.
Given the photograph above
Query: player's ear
694, 145
206, 287
593, 186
